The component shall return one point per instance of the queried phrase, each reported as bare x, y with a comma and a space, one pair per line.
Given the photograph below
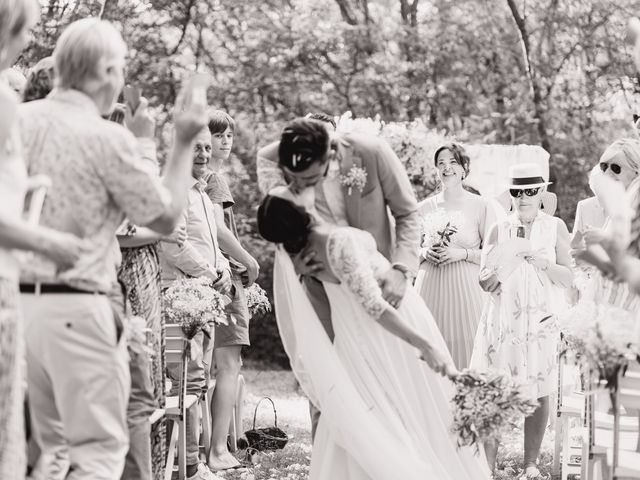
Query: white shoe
204, 473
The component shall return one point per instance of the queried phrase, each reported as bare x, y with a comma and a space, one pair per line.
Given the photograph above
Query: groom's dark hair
304, 141
282, 221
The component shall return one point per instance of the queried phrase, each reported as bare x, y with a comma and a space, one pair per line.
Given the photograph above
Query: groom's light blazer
387, 190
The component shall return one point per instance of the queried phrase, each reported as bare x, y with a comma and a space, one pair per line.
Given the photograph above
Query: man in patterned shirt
78, 376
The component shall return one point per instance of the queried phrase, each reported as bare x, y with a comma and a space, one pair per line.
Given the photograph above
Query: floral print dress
518, 332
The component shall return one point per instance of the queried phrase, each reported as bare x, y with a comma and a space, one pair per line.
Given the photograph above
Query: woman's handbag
269, 438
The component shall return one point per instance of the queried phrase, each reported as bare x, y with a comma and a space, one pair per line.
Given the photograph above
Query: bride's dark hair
282, 221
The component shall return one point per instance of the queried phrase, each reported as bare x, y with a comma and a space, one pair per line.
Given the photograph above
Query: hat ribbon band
527, 180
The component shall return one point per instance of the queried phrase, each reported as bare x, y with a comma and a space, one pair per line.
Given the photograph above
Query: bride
385, 413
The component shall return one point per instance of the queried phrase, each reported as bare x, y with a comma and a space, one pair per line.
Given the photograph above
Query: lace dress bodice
354, 259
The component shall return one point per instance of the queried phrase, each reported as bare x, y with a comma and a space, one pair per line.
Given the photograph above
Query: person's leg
193, 440
314, 413
228, 363
137, 464
320, 302
82, 386
534, 428
491, 452
196, 380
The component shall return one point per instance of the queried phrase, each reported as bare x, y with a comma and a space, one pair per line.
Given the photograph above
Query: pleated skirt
454, 296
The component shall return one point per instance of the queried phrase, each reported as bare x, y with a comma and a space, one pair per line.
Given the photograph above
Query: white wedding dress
385, 413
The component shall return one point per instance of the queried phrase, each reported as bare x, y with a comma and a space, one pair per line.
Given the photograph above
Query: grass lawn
292, 462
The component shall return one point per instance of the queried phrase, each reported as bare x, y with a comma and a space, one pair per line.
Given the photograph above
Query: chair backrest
627, 395
177, 352
629, 387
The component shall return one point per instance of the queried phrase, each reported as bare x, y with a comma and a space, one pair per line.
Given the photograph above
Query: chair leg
206, 424
171, 452
557, 447
182, 450
566, 449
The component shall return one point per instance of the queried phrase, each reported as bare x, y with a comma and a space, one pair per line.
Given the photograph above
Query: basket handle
275, 414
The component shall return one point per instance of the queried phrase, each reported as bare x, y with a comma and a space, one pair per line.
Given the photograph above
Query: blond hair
15, 16
82, 47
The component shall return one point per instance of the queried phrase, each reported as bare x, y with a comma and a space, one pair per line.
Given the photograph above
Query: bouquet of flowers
439, 226
257, 300
355, 178
601, 336
486, 405
195, 305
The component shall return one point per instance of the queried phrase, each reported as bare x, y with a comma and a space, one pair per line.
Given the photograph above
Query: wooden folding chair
570, 404
177, 352
623, 461
600, 431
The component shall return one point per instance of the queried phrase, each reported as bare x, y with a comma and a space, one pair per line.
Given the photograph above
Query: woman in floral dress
448, 275
518, 331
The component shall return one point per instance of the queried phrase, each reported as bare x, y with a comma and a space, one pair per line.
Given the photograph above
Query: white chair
606, 430
623, 461
570, 404
177, 353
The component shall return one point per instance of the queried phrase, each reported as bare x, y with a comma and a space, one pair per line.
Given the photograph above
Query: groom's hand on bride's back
306, 264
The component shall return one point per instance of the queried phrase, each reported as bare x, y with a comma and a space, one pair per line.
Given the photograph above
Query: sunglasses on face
529, 192
615, 168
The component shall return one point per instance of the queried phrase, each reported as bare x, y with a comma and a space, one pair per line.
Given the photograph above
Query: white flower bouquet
195, 305
439, 226
602, 337
355, 178
486, 405
257, 300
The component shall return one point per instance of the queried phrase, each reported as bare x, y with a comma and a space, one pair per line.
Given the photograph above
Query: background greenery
547, 72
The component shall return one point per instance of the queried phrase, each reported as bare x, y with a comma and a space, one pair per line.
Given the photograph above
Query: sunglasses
615, 168
529, 192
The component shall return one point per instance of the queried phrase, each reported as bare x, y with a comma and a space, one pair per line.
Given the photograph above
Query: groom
311, 154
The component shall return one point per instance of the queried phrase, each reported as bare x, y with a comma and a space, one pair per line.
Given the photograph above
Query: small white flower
355, 178
257, 300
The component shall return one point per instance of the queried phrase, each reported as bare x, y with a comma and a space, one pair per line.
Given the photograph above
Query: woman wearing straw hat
518, 332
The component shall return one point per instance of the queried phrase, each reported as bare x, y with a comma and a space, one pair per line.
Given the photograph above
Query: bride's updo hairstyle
303, 142
282, 221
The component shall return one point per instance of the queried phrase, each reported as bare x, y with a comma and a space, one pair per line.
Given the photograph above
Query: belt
42, 288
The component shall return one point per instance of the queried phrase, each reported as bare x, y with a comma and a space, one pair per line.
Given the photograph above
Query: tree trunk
109, 7
348, 12
534, 87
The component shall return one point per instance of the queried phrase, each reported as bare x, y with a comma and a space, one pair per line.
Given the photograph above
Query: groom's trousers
320, 302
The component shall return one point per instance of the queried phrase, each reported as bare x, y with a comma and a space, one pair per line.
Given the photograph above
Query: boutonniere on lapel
356, 177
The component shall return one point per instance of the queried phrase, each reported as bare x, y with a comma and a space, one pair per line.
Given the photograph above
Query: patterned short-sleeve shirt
98, 176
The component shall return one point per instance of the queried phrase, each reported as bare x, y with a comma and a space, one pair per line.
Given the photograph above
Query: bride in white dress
385, 412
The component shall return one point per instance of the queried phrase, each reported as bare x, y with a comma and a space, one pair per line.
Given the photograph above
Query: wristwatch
402, 268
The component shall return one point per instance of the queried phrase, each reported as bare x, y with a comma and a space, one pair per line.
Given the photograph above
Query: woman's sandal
531, 472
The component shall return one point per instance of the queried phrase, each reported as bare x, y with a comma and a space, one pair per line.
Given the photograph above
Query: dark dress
140, 273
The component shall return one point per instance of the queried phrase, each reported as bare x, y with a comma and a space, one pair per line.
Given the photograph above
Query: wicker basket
269, 438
